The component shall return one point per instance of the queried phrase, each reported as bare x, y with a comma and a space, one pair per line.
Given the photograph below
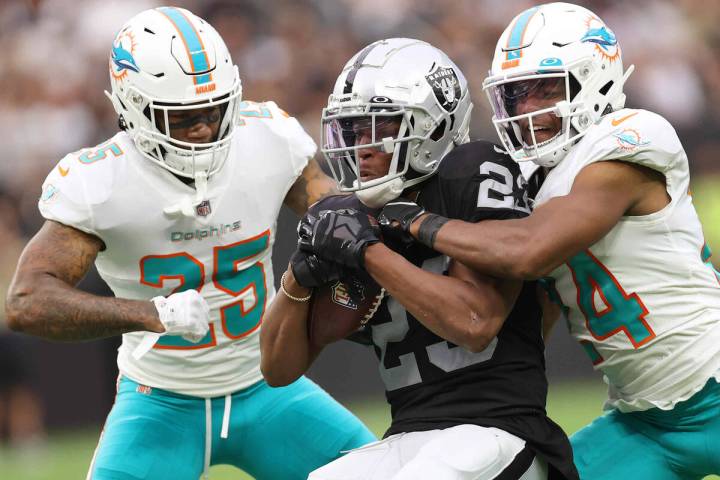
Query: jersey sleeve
63, 198
301, 146
476, 181
636, 136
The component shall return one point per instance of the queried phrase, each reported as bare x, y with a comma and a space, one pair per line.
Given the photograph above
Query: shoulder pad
280, 123
81, 180
465, 159
478, 181
637, 136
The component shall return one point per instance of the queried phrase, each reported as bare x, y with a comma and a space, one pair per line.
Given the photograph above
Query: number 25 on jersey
245, 285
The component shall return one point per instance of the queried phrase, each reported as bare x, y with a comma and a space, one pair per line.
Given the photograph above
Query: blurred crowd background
54, 68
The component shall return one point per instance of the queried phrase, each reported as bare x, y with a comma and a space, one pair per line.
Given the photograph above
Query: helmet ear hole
439, 131
574, 86
605, 88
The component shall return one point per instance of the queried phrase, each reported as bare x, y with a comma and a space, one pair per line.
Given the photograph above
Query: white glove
186, 314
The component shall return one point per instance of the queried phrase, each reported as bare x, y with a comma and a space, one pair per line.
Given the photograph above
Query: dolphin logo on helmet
603, 36
123, 59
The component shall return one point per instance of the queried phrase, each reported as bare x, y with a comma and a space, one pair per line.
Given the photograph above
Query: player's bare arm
464, 307
286, 352
532, 247
311, 186
42, 299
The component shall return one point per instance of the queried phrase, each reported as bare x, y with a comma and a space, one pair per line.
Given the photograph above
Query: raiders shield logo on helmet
445, 84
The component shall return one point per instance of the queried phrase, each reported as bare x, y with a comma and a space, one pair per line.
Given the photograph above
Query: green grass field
67, 454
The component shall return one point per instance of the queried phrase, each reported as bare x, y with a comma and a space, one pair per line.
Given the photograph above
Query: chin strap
187, 205
379, 195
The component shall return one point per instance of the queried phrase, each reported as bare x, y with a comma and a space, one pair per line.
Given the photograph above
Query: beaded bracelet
291, 297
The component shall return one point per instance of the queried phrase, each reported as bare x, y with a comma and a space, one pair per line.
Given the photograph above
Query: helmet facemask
187, 159
348, 130
408, 132
507, 93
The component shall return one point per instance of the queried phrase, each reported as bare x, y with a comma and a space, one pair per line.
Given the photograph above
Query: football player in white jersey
614, 232
178, 211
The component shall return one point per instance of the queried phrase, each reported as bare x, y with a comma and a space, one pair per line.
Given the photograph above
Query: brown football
334, 314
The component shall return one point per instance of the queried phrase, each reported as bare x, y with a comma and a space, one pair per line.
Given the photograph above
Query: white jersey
644, 301
116, 194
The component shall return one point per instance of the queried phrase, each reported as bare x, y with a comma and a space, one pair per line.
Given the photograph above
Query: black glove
313, 272
339, 236
310, 271
305, 227
397, 217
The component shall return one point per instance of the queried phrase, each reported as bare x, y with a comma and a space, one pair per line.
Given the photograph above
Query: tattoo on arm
311, 186
43, 300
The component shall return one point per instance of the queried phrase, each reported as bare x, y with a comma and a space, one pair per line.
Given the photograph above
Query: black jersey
432, 383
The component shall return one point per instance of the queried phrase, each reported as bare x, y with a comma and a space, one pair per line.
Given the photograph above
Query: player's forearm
286, 352
451, 308
45, 306
501, 248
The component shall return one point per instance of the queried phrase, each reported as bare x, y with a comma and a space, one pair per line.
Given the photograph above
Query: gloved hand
185, 313
396, 218
310, 271
339, 236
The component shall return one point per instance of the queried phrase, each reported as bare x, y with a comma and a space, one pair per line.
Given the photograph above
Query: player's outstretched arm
286, 352
532, 247
464, 307
42, 299
311, 186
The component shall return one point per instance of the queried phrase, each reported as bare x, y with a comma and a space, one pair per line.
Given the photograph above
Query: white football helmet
562, 41
167, 59
411, 84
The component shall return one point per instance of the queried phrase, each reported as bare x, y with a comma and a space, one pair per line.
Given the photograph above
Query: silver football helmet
410, 100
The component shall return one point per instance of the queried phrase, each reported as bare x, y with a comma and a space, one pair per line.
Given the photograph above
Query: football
335, 313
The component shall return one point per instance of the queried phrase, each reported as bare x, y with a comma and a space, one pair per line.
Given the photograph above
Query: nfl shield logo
203, 209
341, 296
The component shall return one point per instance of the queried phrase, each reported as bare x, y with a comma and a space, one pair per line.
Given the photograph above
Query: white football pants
463, 452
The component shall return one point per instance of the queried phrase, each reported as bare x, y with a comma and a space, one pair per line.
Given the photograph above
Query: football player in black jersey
461, 354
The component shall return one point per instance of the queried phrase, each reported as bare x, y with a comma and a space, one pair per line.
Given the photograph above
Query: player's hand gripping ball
340, 236
310, 271
343, 299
